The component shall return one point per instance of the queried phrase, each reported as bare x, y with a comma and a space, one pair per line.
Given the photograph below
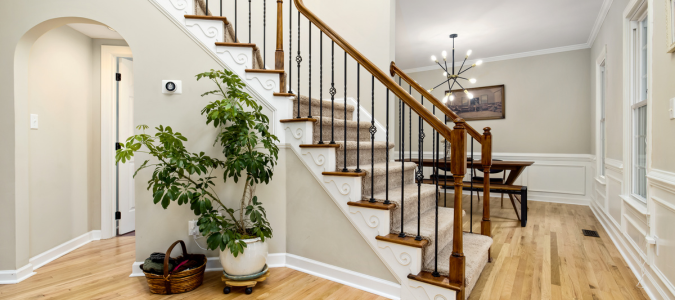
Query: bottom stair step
476, 248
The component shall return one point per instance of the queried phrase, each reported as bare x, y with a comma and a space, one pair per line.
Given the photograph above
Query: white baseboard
633, 260
357, 280
16, 276
63, 249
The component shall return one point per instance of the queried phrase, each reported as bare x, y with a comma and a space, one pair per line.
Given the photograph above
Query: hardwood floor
100, 270
549, 259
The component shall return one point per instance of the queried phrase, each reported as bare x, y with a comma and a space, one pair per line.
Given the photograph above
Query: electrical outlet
192, 228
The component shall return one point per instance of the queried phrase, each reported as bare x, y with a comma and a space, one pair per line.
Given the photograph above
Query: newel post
486, 161
458, 168
279, 53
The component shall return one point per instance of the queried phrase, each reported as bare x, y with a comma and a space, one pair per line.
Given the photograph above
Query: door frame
109, 55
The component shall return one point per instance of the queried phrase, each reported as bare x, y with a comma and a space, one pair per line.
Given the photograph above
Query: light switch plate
178, 90
33, 121
671, 110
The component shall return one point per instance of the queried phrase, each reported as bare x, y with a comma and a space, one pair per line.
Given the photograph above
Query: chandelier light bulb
472, 80
445, 74
468, 53
433, 58
445, 99
452, 97
478, 63
445, 54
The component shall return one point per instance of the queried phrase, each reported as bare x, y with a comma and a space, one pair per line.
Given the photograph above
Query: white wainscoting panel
558, 178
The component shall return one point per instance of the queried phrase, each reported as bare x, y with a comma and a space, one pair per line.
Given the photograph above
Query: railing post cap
458, 120
487, 129
392, 66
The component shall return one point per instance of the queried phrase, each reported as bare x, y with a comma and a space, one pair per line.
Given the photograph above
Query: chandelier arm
441, 83
462, 77
460, 68
450, 86
460, 73
444, 69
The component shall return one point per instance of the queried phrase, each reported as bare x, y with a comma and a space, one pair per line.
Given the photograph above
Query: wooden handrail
395, 70
381, 76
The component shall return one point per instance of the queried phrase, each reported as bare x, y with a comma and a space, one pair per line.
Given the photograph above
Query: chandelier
450, 76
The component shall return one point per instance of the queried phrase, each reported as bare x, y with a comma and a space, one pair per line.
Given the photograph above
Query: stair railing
485, 140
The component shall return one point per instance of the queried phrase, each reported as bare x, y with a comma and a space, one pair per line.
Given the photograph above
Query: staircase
349, 153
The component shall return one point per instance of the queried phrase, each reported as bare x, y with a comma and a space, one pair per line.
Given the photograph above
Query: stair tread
381, 168
340, 122
363, 145
407, 241
373, 205
339, 106
409, 190
476, 247
217, 18
427, 224
441, 281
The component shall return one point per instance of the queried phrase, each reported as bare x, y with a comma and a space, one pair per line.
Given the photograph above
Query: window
602, 82
639, 94
670, 19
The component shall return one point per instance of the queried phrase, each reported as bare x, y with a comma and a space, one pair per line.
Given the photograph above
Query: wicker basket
179, 282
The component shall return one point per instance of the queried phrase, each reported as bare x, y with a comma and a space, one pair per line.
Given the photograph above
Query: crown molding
604, 9
509, 56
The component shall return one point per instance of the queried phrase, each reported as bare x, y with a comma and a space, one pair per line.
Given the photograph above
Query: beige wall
547, 103
161, 51
663, 89
60, 90
610, 36
317, 226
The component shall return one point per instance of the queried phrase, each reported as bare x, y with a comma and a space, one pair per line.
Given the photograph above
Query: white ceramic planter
251, 261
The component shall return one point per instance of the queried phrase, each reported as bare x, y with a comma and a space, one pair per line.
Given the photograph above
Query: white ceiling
489, 27
95, 31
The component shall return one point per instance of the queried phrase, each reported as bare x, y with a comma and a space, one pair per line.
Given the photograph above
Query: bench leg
523, 206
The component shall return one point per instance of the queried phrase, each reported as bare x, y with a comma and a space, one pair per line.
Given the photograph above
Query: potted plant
249, 153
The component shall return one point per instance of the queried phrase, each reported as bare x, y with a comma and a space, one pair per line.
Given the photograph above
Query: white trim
63, 249
35, 262
614, 164
350, 278
602, 14
16, 276
638, 205
662, 179
109, 54
509, 56
626, 250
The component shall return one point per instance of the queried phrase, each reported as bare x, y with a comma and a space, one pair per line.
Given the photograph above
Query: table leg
523, 206
515, 208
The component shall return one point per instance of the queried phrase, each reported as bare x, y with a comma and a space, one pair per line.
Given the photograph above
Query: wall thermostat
172, 87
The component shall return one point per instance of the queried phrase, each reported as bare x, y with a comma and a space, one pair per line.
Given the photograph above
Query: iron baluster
420, 174
206, 13
235, 22
471, 204
320, 87
400, 156
249, 21
410, 126
358, 116
298, 59
332, 92
372, 139
435, 273
290, 51
221, 8
310, 69
344, 169
386, 163
264, 34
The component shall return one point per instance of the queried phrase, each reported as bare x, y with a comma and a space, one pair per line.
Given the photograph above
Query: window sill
636, 204
601, 180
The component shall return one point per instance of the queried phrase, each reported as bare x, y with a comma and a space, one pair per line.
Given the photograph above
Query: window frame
600, 112
670, 23
638, 52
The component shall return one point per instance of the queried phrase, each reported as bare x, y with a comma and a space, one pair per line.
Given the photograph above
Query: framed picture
670, 23
483, 103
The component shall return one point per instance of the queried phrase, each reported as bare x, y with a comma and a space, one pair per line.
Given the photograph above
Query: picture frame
488, 103
670, 25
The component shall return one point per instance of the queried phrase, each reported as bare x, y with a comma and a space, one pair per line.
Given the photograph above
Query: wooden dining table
515, 169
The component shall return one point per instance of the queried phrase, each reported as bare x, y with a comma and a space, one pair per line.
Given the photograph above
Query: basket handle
167, 256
